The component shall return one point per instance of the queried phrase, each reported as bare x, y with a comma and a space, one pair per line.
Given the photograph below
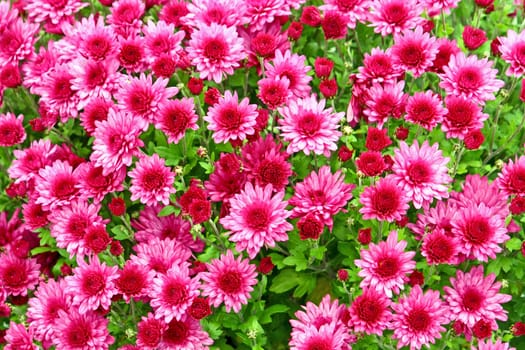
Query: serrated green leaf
306, 285
284, 281
167, 210
513, 244
266, 315
298, 260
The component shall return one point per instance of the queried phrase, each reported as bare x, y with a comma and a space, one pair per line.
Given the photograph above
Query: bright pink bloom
229, 281
160, 39
489, 345
96, 110
419, 318
175, 117
385, 101
385, 266
462, 116
309, 127
512, 48
291, 66
30, 160
511, 179
370, 312
131, 54
435, 7
227, 179
17, 40
257, 219
395, 16
149, 332
160, 255
18, 337
134, 281
230, 13
414, 51
151, 181
274, 92
439, 247
378, 67
474, 297
82, 331
94, 185
354, 11
11, 129
18, 275
56, 92
184, 335
326, 336
322, 194
125, 17
56, 185
425, 109
54, 12
385, 201
262, 12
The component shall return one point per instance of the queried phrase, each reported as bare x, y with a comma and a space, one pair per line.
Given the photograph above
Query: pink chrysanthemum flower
56, 186
38, 65
462, 116
262, 12
471, 78
384, 266
29, 161
175, 117
292, 67
326, 336
185, 334
229, 281
93, 184
378, 67
230, 13
125, 17
385, 101
69, 225
489, 345
370, 312
149, 332
96, 110
160, 38
57, 93
418, 318
440, 247
116, 141
414, 51
323, 194
512, 48
11, 129
511, 179
274, 92
142, 98
151, 181
436, 218
473, 297
82, 331
354, 11
480, 232
309, 127
385, 201
421, 171
227, 179
395, 16
425, 109
18, 337
435, 7
51, 11
215, 50
134, 281
18, 275
173, 293
132, 55
230, 119
92, 285
257, 219
43, 309
17, 41
161, 254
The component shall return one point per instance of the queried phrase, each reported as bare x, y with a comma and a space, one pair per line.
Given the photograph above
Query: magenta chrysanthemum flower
274, 92
56, 92
94, 185
414, 51
418, 318
18, 337
161, 254
229, 281
116, 141
175, 117
512, 48
326, 336
42, 313
354, 11
160, 38
11, 129
149, 332
185, 334
134, 281
425, 109
29, 161
471, 78
151, 181
384, 266
421, 171
370, 312
385, 201
292, 67
262, 12
511, 179
18, 275
230, 119
309, 127
257, 219
385, 101
230, 13
173, 293
141, 97
378, 67
82, 331
17, 40
56, 185
439, 247
489, 345
463, 116
92, 285
125, 17
215, 50
322, 194
51, 11
473, 297
480, 231
395, 16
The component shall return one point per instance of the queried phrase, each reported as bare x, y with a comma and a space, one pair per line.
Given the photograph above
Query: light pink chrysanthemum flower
215, 50
18, 275
257, 219
378, 67
230, 13
384, 266
274, 92
151, 181
385, 101
323, 194
94, 185
141, 97
422, 172
354, 11
310, 127
172, 294
473, 297
435, 7
70, 223
511, 179
175, 117
462, 116
18, 337
160, 38
29, 161
419, 318
414, 51
395, 16
7, 14
39, 64
186, 334
42, 313
57, 93
262, 12
471, 78
56, 185
436, 218
161, 254
92, 285
489, 345
51, 11
82, 330
11, 129
425, 109
291, 66
385, 201
512, 48
326, 336
230, 119
116, 141
480, 231
229, 281
125, 17
370, 312
17, 41
134, 281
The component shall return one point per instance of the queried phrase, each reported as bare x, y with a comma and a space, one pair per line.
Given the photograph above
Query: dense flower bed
262, 174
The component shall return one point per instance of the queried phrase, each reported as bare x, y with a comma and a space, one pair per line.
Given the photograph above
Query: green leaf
284, 281
306, 285
120, 233
167, 210
318, 252
266, 316
513, 244
298, 260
